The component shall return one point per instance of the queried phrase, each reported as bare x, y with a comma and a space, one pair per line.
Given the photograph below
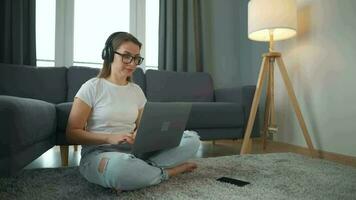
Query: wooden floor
51, 158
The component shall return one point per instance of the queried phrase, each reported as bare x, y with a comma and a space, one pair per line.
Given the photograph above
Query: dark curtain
18, 32
180, 36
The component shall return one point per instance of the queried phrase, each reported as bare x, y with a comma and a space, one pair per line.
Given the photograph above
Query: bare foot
185, 167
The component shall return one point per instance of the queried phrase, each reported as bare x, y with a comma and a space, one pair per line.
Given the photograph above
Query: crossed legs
124, 171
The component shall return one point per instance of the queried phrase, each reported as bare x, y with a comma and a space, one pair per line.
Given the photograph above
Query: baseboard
336, 157
274, 147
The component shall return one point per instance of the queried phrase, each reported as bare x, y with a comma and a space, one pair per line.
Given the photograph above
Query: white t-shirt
114, 107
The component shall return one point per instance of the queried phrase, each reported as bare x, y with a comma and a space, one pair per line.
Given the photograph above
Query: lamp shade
277, 17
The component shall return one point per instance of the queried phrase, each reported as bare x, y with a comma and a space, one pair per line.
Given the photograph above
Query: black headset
108, 52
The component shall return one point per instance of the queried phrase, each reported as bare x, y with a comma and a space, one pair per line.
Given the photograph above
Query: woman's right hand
120, 138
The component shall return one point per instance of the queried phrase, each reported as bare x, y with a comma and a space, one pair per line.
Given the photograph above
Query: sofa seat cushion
202, 115
219, 133
166, 86
63, 110
215, 115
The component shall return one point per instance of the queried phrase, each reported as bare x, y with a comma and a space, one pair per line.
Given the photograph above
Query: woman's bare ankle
184, 167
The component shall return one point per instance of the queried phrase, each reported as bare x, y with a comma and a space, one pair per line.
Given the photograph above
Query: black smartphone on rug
233, 181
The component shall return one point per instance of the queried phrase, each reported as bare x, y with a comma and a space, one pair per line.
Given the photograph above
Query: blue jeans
123, 171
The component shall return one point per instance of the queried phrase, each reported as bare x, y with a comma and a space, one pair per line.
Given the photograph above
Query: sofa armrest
23, 122
243, 96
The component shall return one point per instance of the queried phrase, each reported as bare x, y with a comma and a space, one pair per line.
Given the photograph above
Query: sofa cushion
219, 133
139, 78
204, 115
215, 115
43, 83
63, 110
165, 86
76, 76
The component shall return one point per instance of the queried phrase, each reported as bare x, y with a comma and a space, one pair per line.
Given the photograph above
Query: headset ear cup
107, 54
104, 54
110, 54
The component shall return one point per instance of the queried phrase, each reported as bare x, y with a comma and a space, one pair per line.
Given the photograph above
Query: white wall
321, 62
229, 56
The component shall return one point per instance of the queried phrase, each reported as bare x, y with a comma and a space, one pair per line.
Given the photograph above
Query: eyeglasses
127, 58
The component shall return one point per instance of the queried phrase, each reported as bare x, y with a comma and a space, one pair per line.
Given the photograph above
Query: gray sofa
35, 103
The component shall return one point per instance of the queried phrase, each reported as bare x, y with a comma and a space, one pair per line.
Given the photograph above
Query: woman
105, 113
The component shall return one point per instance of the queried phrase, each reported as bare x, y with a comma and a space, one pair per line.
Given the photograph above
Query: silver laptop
161, 127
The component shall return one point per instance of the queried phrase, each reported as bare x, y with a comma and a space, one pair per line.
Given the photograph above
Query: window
45, 32
152, 21
77, 36
91, 30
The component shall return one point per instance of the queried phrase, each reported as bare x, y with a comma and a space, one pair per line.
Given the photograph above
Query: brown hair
114, 41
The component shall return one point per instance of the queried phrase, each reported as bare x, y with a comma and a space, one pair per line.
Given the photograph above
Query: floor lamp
269, 21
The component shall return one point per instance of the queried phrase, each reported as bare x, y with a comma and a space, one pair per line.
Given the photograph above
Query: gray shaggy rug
272, 176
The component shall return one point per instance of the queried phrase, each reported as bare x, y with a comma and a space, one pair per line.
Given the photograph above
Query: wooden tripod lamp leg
295, 104
255, 102
267, 110
272, 106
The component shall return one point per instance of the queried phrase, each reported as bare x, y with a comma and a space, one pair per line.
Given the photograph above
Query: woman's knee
130, 173
118, 170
